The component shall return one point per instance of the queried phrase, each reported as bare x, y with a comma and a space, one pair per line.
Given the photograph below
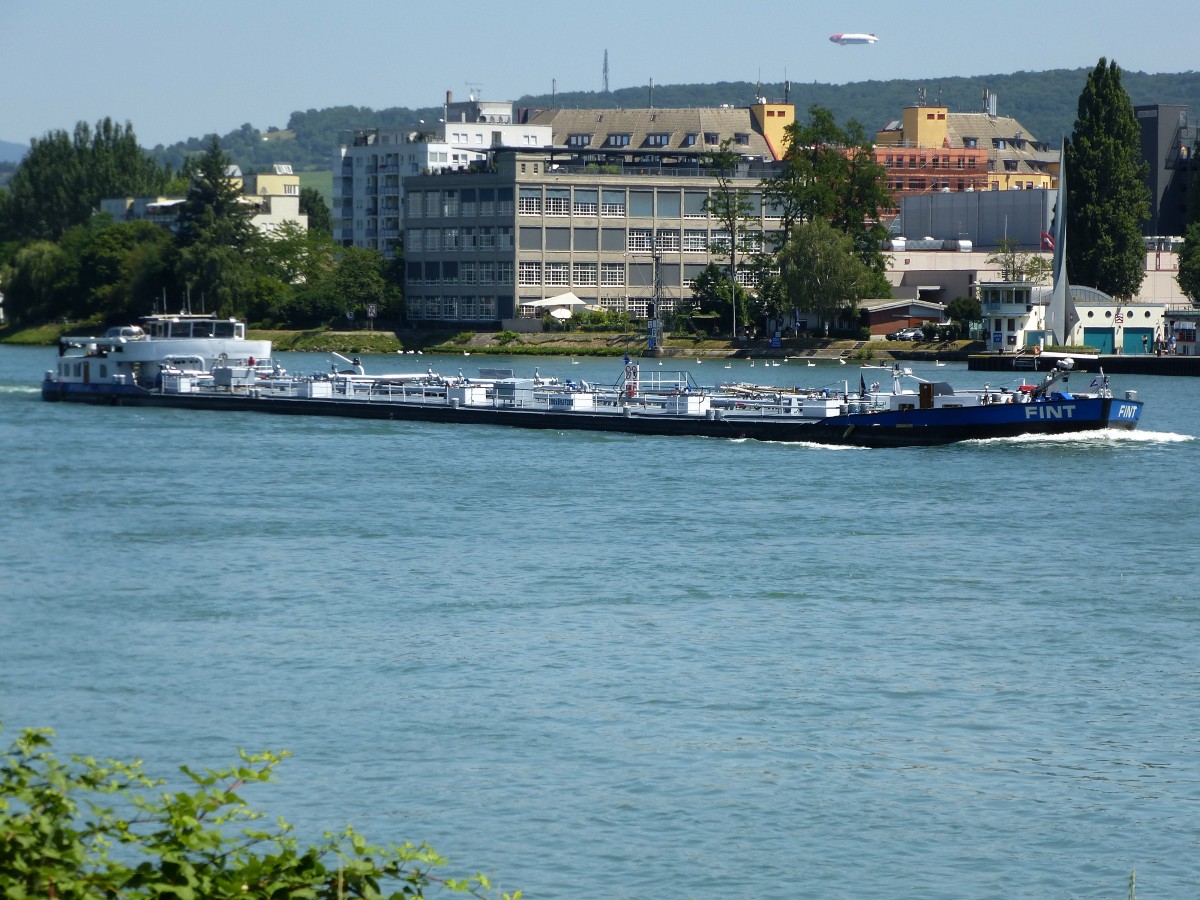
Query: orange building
931, 149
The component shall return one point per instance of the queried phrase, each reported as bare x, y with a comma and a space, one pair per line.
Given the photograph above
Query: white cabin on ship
139, 355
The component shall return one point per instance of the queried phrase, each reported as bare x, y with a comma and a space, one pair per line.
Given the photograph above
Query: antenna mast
606, 71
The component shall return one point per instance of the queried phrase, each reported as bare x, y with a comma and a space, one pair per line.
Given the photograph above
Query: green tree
730, 206
1189, 264
962, 311
63, 178
712, 295
60, 821
1017, 265
215, 237
33, 283
822, 272
830, 172
1107, 198
313, 205
356, 280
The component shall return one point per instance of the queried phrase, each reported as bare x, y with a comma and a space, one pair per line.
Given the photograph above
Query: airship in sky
853, 38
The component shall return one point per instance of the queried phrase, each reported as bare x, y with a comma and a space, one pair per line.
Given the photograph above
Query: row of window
653, 139
589, 274
469, 239
459, 239
913, 161
465, 308
920, 184
559, 274
450, 272
662, 203
460, 201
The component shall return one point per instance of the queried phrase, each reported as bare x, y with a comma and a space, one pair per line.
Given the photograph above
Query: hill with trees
1043, 102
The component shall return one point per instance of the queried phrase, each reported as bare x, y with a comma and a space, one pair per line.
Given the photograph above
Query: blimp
853, 38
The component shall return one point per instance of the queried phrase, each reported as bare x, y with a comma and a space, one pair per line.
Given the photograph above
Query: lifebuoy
1037, 349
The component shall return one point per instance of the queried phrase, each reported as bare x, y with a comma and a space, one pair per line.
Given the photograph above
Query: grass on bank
511, 343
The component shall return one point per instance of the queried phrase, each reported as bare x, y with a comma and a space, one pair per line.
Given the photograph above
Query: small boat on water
202, 362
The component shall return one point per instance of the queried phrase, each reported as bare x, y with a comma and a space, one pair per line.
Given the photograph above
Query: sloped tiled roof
987, 130
639, 124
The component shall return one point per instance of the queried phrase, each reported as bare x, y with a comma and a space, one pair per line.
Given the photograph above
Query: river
606, 666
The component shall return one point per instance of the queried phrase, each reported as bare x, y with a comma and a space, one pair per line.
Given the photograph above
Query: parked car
907, 334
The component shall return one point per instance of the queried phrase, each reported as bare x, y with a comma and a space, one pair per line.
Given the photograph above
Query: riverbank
564, 343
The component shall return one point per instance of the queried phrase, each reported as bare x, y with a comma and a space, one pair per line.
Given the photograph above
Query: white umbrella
561, 313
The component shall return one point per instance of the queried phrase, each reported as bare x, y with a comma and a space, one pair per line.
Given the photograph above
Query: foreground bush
87, 829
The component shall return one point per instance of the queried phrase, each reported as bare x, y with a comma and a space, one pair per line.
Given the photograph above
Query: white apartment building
370, 165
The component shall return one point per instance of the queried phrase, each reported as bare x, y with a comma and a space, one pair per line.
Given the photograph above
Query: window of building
504, 273
487, 273
585, 202
531, 273
579, 140
694, 203
1011, 165
712, 137
695, 240
689, 139
530, 203
640, 240
558, 274
612, 274
504, 237
750, 241
658, 139
668, 202
970, 143
450, 239
742, 139
667, 240
618, 140
641, 204
558, 201
584, 274
612, 203
467, 272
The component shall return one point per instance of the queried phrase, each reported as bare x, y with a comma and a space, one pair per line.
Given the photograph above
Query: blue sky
178, 69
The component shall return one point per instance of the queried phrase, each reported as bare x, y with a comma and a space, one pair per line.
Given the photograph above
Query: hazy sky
184, 68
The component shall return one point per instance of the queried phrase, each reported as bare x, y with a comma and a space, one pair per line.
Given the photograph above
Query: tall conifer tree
1107, 195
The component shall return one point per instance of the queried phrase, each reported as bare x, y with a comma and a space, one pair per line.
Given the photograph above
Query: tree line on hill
1043, 102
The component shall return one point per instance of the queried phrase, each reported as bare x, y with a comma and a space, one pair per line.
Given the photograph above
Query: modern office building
1167, 142
614, 210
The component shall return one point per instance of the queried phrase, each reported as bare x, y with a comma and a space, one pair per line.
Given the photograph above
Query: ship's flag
1047, 241
862, 385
